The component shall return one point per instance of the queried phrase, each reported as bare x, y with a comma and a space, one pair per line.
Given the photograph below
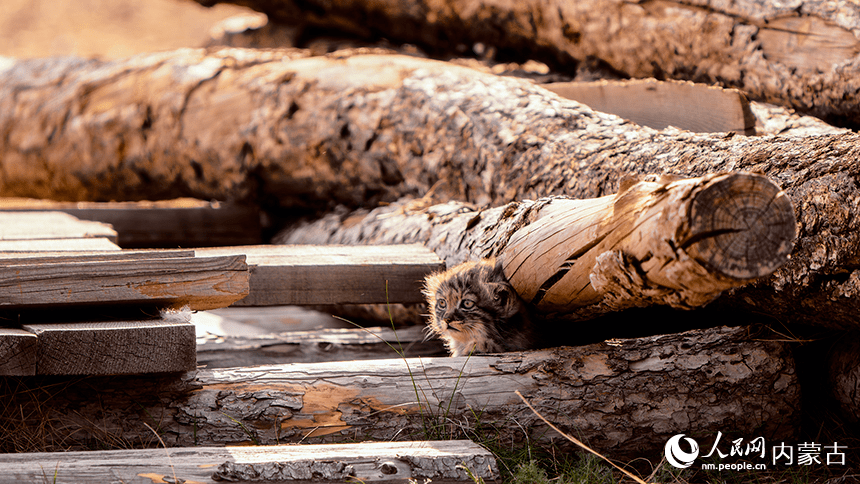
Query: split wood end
676, 242
742, 226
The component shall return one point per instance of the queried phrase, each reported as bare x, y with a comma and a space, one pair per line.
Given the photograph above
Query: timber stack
665, 232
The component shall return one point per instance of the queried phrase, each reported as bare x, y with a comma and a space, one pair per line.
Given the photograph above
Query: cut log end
741, 226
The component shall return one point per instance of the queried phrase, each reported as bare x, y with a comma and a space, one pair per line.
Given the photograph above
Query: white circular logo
678, 457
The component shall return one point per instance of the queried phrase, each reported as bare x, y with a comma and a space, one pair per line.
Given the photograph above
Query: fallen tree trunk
623, 397
360, 129
581, 258
670, 242
771, 51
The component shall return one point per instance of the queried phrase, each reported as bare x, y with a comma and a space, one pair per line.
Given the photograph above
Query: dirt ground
106, 29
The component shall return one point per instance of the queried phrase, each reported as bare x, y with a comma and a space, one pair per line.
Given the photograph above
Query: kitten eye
441, 303
468, 304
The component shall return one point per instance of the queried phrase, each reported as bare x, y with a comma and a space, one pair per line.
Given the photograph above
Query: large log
359, 129
623, 397
677, 242
665, 241
772, 51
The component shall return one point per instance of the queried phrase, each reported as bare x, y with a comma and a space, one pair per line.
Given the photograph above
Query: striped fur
474, 309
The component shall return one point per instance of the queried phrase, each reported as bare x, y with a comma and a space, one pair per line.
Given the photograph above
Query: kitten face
474, 309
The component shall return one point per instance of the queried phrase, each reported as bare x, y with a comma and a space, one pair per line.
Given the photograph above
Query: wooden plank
276, 319
56, 245
115, 347
18, 352
316, 346
334, 274
657, 104
48, 256
181, 222
50, 225
200, 283
439, 461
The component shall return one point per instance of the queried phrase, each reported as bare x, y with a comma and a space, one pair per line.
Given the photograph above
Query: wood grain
200, 283
306, 275
678, 242
658, 104
18, 352
316, 346
115, 347
439, 461
76, 256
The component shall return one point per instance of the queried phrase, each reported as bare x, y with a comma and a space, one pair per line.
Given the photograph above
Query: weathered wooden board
201, 283
18, 352
439, 461
270, 319
305, 275
50, 225
71, 256
658, 104
316, 346
114, 347
55, 245
168, 223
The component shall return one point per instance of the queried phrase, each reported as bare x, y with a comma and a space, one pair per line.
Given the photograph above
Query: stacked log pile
374, 147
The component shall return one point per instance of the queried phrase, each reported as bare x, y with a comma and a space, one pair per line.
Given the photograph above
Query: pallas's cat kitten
474, 309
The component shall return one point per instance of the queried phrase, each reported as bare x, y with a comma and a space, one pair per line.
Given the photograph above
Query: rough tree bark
623, 397
774, 51
360, 129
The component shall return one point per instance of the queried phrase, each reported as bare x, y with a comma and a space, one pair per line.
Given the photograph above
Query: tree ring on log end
741, 225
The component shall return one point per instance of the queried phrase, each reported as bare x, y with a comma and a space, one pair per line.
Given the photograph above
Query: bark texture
279, 127
622, 397
801, 54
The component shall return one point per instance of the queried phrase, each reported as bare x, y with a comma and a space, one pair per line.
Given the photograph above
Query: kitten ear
498, 271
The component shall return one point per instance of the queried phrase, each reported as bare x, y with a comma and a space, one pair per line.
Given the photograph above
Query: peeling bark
622, 397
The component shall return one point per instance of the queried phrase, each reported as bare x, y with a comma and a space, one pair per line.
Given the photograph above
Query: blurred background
110, 29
